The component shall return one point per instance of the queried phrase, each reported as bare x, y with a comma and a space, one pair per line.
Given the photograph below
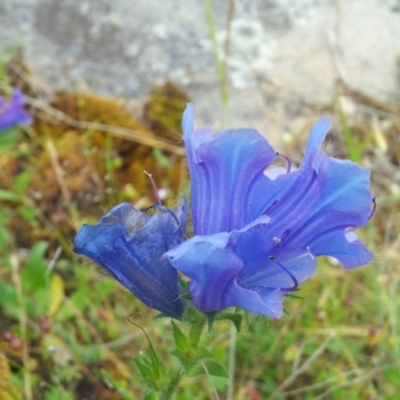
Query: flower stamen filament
156, 193
296, 283
289, 163
373, 208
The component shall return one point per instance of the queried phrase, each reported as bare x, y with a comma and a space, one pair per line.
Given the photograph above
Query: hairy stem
195, 331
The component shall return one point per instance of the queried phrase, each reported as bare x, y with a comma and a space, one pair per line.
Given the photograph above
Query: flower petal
229, 188
327, 197
129, 245
213, 267
270, 264
318, 133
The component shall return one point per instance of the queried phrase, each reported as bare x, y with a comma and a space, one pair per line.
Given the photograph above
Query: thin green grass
221, 67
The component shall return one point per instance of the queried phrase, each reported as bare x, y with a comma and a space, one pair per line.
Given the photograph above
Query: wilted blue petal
229, 187
129, 245
12, 113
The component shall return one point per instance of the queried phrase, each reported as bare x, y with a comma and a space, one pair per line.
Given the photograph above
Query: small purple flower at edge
12, 113
258, 231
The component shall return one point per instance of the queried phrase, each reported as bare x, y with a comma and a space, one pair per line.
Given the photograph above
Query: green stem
172, 385
195, 331
220, 65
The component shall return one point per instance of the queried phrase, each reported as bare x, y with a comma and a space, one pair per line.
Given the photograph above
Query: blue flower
129, 245
258, 232
12, 113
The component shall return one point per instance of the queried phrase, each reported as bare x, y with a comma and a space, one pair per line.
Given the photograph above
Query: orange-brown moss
164, 108
132, 157
72, 164
163, 114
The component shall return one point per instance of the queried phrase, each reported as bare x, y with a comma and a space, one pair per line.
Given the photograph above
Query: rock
284, 57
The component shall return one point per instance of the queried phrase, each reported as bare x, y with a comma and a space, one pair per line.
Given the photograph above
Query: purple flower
12, 113
129, 245
258, 232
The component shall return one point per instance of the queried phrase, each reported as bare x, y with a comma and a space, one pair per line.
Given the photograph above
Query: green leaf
192, 358
146, 372
33, 272
151, 369
202, 352
8, 139
79, 300
28, 213
58, 393
220, 383
40, 304
106, 287
161, 159
181, 341
216, 369
183, 356
286, 312
6, 195
9, 299
4, 236
21, 181
187, 358
162, 315
210, 366
155, 363
151, 396
294, 296
236, 319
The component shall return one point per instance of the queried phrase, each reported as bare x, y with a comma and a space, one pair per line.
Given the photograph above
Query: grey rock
284, 56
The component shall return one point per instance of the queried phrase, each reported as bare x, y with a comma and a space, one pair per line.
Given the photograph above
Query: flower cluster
257, 229
12, 113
